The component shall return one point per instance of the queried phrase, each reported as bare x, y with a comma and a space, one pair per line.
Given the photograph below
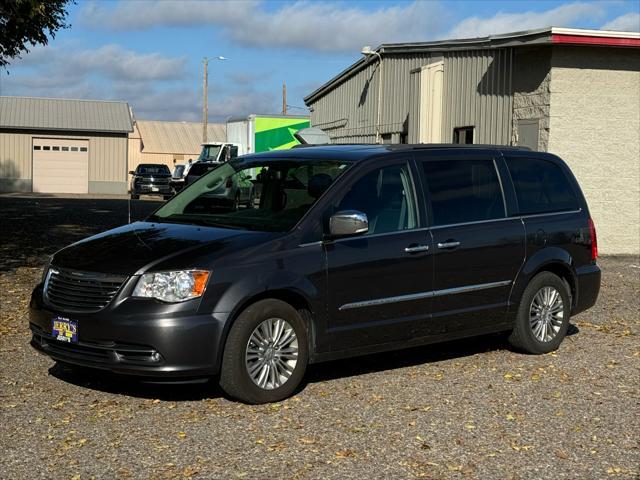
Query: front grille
154, 181
73, 291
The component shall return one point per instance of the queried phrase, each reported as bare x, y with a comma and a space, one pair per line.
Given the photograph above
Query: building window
36, 147
74, 149
65, 149
83, 149
55, 149
46, 148
463, 135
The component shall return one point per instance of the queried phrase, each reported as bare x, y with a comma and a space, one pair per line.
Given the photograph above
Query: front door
478, 249
379, 283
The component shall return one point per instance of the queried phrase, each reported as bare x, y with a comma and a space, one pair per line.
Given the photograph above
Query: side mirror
131, 172
348, 222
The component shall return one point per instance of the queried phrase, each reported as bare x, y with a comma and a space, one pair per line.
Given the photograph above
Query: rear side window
462, 191
541, 186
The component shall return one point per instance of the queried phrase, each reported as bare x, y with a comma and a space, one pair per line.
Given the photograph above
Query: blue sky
149, 52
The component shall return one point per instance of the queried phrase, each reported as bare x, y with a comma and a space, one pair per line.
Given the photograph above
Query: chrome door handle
449, 245
417, 248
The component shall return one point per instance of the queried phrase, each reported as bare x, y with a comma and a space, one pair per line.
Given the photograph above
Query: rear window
462, 191
198, 169
541, 186
153, 170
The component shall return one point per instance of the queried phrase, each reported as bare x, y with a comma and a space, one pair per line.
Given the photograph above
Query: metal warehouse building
170, 142
63, 146
575, 93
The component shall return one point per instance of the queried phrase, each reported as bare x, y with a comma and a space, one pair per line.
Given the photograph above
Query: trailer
263, 133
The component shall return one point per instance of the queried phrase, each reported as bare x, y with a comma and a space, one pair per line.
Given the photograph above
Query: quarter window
541, 186
462, 191
386, 196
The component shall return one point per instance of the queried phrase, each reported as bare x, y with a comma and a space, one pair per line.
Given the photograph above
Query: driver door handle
449, 244
416, 248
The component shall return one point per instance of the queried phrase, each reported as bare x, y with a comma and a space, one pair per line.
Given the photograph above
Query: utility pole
284, 98
205, 106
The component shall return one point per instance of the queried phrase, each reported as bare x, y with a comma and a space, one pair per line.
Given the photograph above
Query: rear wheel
266, 353
543, 315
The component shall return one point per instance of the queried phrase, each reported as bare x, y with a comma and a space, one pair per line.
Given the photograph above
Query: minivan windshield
265, 195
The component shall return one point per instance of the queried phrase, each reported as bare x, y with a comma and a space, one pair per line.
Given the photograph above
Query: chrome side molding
421, 295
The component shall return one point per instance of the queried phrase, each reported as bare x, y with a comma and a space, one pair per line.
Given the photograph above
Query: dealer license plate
154, 189
64, 330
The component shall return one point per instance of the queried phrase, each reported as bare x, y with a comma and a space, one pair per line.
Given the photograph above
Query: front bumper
147, 189
135, 336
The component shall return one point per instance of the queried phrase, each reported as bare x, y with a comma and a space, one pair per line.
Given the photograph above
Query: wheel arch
290, 296
554, 260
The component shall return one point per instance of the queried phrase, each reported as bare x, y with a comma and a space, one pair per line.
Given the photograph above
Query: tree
29, 22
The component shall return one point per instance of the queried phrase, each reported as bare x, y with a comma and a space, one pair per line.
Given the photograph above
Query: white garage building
63, 146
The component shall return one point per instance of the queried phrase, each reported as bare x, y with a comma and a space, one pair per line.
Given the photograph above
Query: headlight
176, 286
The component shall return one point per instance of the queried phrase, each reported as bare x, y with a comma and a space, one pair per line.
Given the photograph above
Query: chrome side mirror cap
348, 222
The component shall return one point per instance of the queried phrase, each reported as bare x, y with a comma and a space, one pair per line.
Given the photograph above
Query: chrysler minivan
346, 250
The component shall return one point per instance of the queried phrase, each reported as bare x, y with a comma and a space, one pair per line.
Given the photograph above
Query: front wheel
266, 353
543, 315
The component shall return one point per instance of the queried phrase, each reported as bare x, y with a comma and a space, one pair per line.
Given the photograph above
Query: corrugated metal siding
177, 137
413, 133
61, 114
108, 159
478, 93
348, 113
15, 155
107, 155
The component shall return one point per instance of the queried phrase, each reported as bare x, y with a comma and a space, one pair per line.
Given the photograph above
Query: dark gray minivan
345, 250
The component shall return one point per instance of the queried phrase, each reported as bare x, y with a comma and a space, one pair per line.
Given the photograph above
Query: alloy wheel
272, 353
546, 314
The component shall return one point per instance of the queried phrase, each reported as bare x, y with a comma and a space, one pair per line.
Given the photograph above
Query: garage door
60, 166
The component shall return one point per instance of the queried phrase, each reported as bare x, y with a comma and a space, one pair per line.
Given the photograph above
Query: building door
431, 95
528, 133
60, 165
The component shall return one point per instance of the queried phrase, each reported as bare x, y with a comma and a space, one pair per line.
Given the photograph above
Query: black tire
234, 377
166, 197
134, 197
522, 337
236, 201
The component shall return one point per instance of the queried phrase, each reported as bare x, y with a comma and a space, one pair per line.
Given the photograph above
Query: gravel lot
469, 409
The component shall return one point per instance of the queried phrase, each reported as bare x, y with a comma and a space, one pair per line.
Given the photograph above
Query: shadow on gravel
35, 227
322, 372
381, 362
135, 387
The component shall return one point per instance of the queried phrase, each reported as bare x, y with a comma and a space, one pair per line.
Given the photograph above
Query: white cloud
157, 87
112, 61
563, 16
629, 22
316, 26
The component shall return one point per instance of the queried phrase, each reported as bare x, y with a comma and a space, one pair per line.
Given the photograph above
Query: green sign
276, 133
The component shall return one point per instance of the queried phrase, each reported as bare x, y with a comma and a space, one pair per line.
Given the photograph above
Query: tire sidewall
234, 372
541, 280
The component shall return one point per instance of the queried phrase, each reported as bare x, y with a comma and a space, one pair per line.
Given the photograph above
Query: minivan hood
140, 246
